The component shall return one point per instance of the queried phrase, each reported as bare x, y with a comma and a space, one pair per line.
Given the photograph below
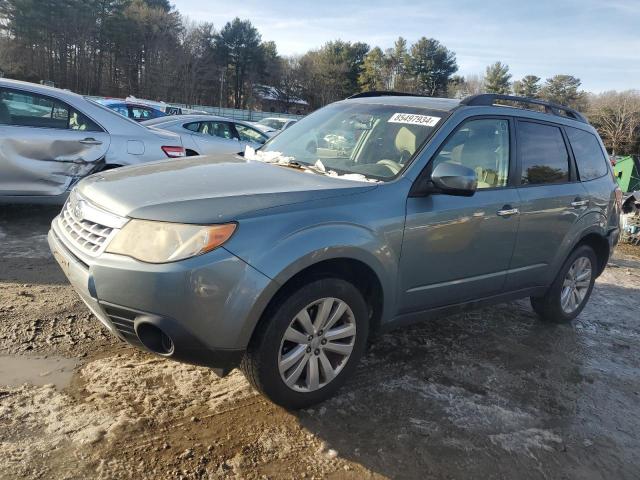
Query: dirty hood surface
208, 189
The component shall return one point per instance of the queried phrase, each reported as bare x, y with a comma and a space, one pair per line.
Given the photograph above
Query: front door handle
90, 141
507, 211
579, 203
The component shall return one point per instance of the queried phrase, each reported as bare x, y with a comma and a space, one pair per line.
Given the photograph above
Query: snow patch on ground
125, 395
465, 409
527, 440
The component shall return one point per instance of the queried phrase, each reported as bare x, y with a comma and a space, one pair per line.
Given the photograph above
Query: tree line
147, 49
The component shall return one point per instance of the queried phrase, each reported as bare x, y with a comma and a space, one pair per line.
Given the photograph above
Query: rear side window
194, 127
543, 154
589, 156
28, 109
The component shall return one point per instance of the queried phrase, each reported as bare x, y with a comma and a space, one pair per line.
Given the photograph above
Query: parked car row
51, 138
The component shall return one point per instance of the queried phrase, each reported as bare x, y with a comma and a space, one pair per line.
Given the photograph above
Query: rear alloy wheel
308, 343
571, 289
576, 285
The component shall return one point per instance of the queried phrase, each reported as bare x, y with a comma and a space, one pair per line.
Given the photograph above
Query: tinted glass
121, 108
141, 113
589, 156
542, 153
483, 146
32, 110
215, 129
194, 127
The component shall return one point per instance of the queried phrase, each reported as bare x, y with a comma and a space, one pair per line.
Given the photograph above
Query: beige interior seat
405, 142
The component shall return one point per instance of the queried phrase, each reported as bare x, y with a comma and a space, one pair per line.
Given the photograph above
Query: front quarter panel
366, 226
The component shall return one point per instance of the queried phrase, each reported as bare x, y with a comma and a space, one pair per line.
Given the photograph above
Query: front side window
28, 109
590, 158
543, 154
483, 146
247, 134
374, 140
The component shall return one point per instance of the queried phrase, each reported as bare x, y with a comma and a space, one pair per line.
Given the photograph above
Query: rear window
590, 159
543, 154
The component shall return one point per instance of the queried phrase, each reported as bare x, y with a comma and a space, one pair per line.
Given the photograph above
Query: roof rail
488, 99
384, 93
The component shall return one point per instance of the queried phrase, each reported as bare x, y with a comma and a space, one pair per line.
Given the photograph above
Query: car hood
207, 189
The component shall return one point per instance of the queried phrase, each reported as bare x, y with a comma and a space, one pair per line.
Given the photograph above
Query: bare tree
616, 115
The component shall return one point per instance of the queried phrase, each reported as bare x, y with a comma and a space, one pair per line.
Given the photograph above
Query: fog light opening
155, 339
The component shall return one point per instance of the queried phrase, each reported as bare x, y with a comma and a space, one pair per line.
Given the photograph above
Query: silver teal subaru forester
368, 214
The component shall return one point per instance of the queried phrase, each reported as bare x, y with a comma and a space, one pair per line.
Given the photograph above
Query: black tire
548, 307
260, 363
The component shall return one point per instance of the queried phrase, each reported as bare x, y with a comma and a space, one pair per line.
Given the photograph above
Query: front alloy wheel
317, 344
308, 342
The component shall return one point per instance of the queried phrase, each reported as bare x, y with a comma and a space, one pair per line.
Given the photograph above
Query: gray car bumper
208, 305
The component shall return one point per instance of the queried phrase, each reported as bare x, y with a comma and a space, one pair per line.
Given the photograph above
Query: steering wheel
395, 167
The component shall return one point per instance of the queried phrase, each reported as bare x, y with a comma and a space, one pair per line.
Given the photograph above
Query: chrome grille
86, 227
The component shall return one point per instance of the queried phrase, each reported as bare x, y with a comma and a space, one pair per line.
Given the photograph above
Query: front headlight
162, 242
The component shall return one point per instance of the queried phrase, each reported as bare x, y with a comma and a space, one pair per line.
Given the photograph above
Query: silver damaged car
50, 138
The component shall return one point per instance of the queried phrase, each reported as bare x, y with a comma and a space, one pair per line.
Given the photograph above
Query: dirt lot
489, 394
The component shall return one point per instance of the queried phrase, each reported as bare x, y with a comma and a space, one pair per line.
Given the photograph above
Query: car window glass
141, 113
542, 153
120, 108
590, 159
194, 126
249, 134
33, 110
220, 130
483, 146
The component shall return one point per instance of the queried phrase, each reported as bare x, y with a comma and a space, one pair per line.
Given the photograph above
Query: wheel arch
600, 245
362, 274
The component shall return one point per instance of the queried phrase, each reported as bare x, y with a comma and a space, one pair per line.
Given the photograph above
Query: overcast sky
596, 40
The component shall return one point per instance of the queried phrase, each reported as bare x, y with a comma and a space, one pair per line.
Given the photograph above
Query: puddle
16, 370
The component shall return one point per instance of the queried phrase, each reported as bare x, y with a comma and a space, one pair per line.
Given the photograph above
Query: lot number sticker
413, 119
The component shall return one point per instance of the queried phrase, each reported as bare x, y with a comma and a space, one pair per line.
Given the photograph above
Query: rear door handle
507, 211
90, 141
579, 203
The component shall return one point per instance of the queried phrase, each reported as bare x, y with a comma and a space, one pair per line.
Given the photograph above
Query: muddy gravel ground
489, 394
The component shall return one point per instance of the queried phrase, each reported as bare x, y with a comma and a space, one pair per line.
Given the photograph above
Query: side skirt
422, 315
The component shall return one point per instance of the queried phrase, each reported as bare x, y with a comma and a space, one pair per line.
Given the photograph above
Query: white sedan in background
208, 134
274, 124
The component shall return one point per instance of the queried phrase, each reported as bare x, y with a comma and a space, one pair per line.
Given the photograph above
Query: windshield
272, 123
376, 141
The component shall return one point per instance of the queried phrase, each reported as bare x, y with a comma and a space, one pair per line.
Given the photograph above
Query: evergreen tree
431, 65
496, 79
528, 86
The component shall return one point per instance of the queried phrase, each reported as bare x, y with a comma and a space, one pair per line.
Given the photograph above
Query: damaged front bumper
200, 311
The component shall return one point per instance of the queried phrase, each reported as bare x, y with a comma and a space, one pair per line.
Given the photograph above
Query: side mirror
449, 179
454, 179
